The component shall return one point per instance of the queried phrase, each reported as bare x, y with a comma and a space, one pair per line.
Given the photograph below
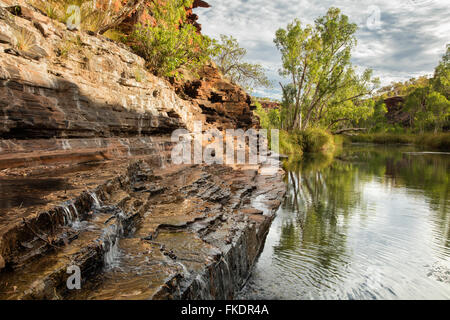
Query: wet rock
251, 211
104, 139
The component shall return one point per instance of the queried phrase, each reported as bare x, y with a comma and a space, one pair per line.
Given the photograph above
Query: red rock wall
70, 85
225, 105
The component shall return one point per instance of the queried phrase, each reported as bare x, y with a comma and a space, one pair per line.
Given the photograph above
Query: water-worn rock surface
86, 178
180, 232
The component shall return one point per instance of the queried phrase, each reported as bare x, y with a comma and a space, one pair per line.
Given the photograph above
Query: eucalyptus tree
441, 79
316, 61
230, 61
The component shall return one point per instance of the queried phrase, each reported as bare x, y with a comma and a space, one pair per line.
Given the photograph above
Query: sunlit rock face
85, 172
71, 85
67, 84
144, 16
225, 104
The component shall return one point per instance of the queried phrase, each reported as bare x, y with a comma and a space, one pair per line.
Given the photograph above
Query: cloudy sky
398, 39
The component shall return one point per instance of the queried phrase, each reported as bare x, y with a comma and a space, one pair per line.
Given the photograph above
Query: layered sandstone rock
84, 171
67, 84
71, 85
226, 105
181, 232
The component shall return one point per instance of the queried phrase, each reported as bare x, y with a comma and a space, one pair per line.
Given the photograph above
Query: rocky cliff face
396, 114
143, 14
86, 178
59, 84
225, 105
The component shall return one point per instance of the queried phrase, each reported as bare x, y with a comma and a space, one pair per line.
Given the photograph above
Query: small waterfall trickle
112, 233
111, 236
70, 214
74, 209
161, 150
226, 279
186, 272
94, 197
203, 291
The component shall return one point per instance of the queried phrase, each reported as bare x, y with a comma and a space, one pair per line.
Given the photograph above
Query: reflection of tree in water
426, 174
324, 192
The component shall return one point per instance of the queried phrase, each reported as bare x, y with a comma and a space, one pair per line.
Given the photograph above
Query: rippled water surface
371, 223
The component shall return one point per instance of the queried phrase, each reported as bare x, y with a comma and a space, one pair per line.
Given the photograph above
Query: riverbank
439, 141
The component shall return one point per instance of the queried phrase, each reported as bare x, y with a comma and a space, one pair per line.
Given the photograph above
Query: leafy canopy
230, 61
324, 88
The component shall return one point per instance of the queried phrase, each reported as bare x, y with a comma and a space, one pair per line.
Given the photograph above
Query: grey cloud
410, 41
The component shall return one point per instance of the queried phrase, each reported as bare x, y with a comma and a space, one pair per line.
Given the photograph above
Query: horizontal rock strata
86, 178
186, 232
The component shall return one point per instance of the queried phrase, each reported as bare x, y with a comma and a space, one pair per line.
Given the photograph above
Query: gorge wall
70, 85
86, 177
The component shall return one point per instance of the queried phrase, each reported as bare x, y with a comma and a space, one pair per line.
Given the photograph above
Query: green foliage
268, 119
290, 144
324, 90
311, 141
403, 88
229, 59
377, 120
317, 140
439, 141
383, 138
426, 105
428, 109
171, 43
441, 79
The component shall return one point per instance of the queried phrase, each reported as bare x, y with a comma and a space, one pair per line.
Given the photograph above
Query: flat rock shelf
143, 232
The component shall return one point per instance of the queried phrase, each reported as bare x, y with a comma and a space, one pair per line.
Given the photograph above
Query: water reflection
370, 223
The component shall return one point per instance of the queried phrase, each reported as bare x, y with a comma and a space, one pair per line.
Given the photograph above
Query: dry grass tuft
25, 39
93, 14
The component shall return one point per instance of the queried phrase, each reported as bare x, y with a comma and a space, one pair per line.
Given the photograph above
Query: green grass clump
439, 141
290, 144
383, 138
310, 141
94, 15
317, 140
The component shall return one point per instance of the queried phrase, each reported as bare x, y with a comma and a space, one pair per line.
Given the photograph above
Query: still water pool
372, 222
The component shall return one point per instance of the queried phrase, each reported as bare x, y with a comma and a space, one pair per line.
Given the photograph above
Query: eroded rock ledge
183, 232
86, 178
64, 85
